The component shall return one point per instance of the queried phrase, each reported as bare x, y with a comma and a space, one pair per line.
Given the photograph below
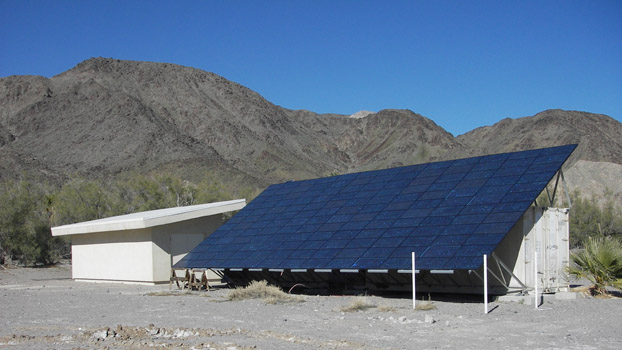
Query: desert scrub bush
357, 304
386, 308
261, 290
425, 306
600, 262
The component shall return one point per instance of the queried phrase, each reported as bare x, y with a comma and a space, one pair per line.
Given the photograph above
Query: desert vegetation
29, 208
262, 290
600, 263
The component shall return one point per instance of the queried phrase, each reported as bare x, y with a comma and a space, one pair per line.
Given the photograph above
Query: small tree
600, 262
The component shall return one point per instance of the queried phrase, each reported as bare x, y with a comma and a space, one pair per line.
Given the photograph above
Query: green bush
588, 218
30, 209
600, 262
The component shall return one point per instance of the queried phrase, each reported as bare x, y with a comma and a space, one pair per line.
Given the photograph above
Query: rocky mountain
105, 117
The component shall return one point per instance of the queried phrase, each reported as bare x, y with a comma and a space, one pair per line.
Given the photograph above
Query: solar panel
450, 213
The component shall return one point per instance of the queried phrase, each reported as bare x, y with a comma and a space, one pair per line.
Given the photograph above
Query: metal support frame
501, 264
565, 186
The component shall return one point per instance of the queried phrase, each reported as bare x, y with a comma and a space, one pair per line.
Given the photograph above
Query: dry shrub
357, 304
425, 306
261, 290
386, 308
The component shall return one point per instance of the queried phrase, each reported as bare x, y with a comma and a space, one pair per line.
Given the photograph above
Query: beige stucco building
141, 247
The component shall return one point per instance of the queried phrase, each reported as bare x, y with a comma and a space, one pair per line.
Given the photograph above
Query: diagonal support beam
565, 186
506, 268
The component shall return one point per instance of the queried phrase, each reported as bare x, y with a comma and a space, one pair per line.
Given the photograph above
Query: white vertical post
485, 284
535, 264
413, 278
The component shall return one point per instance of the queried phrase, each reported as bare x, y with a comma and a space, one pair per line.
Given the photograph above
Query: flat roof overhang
150, 218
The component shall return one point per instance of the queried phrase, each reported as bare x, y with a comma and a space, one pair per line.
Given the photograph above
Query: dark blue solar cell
408, 222
378, 252
316, 244
477, 183
450, 240
460, 229
361, 243
354, 225
406, 251
475, 175
463, 192
421, 181
502, 180
364, 216
440, 251
503, 217
463, 263
416, 189
380, 223
434, 195
442, 186
334, 226
477, 209
370, 233
317, 220
428, 263
414, 241
386, 242
381, 199
302, 253
437, 220
428, 230
395, 232
429, 203
341, 263
509, 172
326, 212
345, 234
351, 252
487, 199
498, 227
513, 206
367, 263
417, 213
394, 214
486, 166
446, 211
358, 201
327, 253
453, 178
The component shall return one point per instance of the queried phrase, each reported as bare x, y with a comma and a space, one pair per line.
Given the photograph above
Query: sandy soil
45, 309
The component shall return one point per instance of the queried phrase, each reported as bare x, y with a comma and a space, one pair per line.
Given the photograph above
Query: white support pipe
485, 284
413, 278
535, 264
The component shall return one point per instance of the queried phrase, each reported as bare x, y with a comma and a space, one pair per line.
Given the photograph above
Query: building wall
113, 256
172, 242
137, 256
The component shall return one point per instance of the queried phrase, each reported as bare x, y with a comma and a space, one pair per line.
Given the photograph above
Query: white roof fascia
149, 218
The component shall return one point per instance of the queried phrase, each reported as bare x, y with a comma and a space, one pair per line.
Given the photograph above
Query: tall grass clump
600, 263
261, 290
357, 304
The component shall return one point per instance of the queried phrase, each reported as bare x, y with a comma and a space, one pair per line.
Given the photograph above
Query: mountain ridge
105, 117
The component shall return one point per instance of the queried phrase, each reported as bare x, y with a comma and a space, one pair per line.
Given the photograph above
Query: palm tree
600, 262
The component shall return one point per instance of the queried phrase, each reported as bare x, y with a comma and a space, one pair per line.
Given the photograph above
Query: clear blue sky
464, 64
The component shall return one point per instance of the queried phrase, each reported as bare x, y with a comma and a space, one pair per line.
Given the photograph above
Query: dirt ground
44, 309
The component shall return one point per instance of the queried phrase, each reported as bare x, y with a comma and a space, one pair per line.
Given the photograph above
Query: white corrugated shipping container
545, 232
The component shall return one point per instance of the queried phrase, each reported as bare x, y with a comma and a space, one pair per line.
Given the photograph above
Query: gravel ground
44, 309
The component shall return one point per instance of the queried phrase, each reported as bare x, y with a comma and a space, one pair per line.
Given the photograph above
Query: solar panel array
449, 213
